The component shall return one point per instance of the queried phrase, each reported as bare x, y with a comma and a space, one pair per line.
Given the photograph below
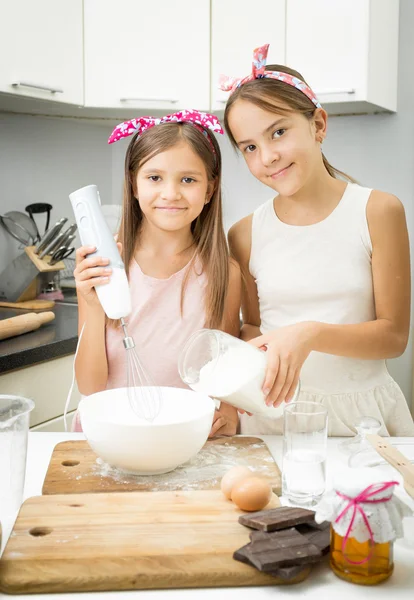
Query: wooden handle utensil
29, 304
396, 459
24, 323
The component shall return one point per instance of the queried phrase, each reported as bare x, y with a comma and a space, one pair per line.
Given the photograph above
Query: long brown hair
265, 93
210, 245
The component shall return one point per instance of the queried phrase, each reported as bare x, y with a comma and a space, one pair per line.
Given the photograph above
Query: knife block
43, 267
42, 264
19, 280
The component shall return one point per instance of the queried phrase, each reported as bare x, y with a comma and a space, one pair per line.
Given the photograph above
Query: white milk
236, 376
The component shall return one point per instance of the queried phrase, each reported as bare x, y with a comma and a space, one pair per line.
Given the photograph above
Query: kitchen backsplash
43, 160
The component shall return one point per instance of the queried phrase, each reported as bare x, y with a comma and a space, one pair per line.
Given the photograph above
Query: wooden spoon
395, 459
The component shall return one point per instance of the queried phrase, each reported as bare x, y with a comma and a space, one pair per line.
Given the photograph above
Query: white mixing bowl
125, 441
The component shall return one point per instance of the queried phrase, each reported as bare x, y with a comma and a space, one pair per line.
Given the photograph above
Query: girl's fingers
272, 370
82, 252
274, 395
92, 273
286, 387
218, 424
88, 285
293, 387
87, 263
262, 340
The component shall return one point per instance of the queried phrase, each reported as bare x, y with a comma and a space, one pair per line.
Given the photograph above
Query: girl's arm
240, 242
91, 367
386, 337
226, 419
231, 317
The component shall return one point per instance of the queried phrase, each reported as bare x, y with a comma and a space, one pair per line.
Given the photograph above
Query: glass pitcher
229, 369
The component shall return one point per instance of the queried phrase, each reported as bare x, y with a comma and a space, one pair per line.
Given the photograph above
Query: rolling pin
23, 323
29, 304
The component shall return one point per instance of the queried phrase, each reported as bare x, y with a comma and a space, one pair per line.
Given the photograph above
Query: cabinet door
147, 54
237, 29
47, 384
327, 42
41, 49
56, 424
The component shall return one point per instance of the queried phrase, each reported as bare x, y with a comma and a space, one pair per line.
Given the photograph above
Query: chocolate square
321, 538
286, 573
284, 548
277, 518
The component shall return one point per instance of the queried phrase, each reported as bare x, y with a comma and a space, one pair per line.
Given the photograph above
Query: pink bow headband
201, 120
259, 72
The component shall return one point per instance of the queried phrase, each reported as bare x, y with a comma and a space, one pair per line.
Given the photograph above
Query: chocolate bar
277, 518
283, 548
285, 573
320, 537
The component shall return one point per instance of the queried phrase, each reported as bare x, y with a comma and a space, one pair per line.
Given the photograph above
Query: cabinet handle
327, 93
333, 92
45, 88
172, 100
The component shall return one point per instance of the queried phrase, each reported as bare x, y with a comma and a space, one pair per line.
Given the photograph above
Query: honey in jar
365, 519
371, 562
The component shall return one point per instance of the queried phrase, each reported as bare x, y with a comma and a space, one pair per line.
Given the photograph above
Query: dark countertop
53, 340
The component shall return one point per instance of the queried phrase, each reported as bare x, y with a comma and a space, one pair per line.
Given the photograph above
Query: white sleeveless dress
322, 272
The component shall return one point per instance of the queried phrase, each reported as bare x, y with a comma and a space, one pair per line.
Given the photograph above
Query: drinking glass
305, 433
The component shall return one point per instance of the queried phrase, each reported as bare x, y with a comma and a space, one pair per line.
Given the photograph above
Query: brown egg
251, 494
233, 476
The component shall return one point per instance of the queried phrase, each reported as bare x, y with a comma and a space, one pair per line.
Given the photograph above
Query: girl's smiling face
172, 188
282, 150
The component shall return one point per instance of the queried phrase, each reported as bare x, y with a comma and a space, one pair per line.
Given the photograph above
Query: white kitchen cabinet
147, 55
47, 384
237, 28
136, 57
347, 50
56, 424
41, 49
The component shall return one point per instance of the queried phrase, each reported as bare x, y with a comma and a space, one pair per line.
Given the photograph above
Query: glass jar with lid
366, 518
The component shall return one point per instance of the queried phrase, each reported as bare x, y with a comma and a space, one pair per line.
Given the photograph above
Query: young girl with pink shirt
172, 242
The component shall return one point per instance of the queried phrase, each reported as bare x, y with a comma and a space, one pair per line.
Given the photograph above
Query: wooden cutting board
75, 469
99, 542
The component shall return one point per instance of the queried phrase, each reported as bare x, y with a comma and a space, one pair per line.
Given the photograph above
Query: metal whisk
144, 397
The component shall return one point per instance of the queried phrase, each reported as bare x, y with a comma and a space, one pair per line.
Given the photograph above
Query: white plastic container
14, 429
94, 231
229, 369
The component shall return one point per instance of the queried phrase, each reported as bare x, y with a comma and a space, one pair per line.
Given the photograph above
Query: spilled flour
204, 471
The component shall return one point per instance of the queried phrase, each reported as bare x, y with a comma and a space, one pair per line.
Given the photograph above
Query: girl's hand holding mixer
101, 279
92, 270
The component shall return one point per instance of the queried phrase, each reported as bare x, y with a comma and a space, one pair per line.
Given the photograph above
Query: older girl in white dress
325, 262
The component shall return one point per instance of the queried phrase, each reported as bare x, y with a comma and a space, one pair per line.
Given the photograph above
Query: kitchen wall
45, 159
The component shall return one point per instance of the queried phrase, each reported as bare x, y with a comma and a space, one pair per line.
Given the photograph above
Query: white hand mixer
145, 398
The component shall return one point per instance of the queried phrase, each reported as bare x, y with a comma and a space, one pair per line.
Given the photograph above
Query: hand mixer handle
94, 231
